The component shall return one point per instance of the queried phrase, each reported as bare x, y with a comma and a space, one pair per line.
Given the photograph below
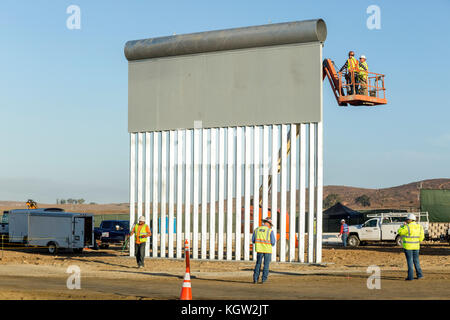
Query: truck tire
353, 241
52, 248
398, 241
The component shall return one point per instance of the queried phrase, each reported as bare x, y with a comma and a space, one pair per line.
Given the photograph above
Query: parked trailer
52, 228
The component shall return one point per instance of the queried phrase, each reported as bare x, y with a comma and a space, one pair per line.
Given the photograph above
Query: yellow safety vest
262, 239
412, 234
352, 65
363, 73
140, 231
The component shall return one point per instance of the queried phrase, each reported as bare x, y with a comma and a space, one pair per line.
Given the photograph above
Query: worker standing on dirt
363, 75
142, 232
412, 234
352, 67
264, 240
344, 232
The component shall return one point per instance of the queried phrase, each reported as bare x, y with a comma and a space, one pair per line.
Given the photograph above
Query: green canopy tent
437, 203
333, 215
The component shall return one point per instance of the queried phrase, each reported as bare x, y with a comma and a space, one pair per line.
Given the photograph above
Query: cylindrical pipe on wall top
229, 39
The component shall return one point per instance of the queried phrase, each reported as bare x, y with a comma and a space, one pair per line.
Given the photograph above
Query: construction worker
352, 67
263, 239
142, 232
363, 75
412, 234
344, 232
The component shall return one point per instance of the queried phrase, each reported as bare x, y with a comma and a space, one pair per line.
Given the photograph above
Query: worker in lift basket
142, 232
412, 234
344, 232
352, 67
264, 240
363, 75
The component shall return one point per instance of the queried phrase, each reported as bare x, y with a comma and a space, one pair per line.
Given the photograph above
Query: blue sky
64, 93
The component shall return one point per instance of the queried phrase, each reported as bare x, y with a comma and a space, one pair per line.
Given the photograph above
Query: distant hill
400, 197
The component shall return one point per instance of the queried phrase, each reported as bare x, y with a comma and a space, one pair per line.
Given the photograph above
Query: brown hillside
400, 197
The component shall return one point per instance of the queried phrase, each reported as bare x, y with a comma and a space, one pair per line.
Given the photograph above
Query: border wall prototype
222, 122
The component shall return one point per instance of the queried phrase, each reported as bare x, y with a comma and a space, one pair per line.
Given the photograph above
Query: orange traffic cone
186, 290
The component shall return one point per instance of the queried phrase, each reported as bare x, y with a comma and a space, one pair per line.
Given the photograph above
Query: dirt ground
31, 273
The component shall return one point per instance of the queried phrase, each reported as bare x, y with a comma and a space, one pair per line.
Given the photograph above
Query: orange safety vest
352, 65
141, 231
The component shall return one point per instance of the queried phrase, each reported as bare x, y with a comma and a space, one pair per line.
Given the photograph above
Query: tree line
70, 201
333, 198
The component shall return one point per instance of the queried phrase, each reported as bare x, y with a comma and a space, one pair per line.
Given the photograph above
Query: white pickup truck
383, 227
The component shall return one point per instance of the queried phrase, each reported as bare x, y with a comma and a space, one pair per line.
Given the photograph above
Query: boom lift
376, 92
376, 95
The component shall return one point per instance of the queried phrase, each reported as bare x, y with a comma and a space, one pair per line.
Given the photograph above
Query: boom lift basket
350, 89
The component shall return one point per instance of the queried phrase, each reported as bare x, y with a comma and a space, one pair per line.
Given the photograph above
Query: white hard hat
141, 218
268, 220
411, 216
362, 57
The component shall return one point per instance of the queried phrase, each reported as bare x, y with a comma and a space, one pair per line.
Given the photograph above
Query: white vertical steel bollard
230, 184
256, 147
238, 212
283, 209
221, 192
195, 193
311, 191
302, 194
274, 201
139, 175
247, 194
132, 187
179, 192
171, 191
155, 230
212, 202
204, 190
147, 186
163, 192
188, 195
265, 191
319, 186
293, 190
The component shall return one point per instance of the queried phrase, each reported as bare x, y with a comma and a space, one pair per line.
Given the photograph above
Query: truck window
386, 220
107, 224
122, 225
371, 223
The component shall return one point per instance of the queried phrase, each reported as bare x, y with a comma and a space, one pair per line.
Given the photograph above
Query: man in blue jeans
263, 239
412, 234
344, 232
